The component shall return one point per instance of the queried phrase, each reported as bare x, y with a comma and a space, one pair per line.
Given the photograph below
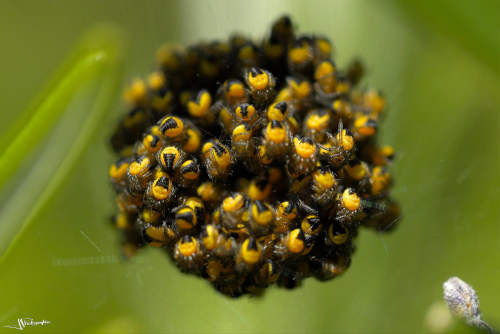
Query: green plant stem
99, 66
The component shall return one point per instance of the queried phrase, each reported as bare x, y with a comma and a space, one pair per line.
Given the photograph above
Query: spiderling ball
252, 163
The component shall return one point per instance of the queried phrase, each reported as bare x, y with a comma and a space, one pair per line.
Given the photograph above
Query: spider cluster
252, 163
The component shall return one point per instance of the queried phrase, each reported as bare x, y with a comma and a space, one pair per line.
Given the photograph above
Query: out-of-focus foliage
473, 26
443, 120
79, 97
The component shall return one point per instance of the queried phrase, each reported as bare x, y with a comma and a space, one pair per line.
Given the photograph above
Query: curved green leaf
82, 91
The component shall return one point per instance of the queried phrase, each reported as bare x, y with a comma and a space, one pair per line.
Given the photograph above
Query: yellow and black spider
252, 164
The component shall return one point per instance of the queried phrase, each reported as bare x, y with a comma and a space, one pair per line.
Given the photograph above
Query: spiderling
252, 163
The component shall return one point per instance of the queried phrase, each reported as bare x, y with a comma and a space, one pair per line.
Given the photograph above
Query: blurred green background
437, 62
